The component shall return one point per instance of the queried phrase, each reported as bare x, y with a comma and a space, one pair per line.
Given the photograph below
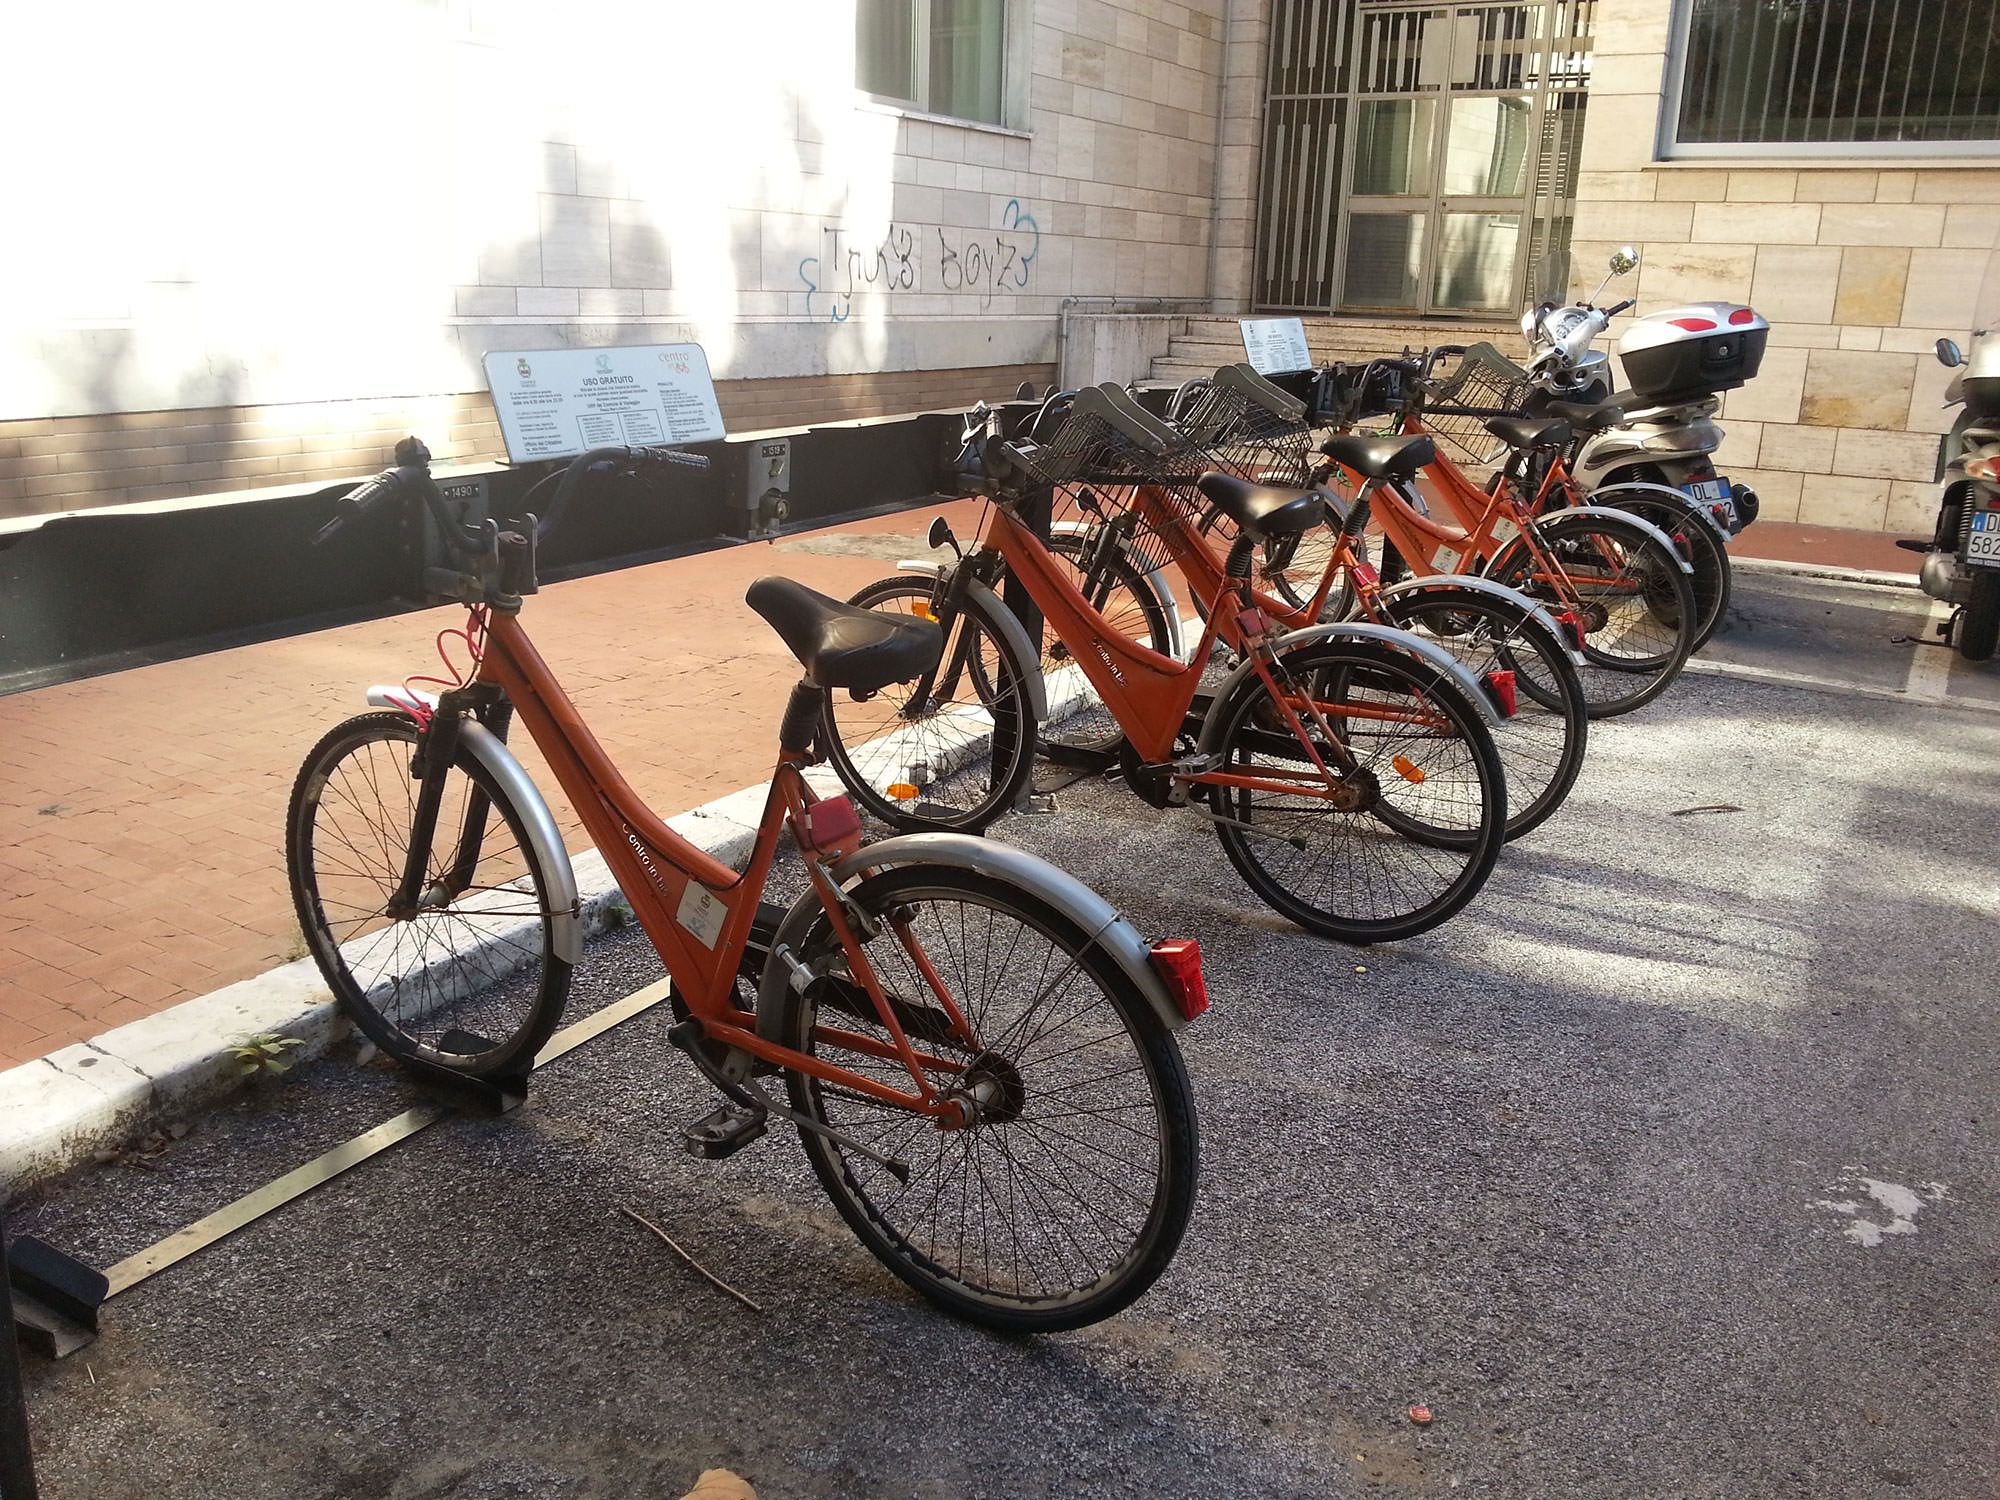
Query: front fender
484, 746
1550, 525
1097, 918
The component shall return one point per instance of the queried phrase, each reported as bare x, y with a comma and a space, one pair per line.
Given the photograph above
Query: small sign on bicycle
556, 403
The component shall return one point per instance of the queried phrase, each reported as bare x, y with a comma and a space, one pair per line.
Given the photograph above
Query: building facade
295, 230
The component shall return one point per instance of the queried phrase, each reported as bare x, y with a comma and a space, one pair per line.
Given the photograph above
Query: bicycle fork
436, 754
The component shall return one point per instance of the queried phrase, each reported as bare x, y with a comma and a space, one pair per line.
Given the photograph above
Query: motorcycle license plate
1983, 549
1711, 493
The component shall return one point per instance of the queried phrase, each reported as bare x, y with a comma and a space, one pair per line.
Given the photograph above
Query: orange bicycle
1348, 771
976, 1049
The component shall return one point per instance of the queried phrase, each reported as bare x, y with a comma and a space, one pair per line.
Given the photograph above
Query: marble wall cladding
1859, 265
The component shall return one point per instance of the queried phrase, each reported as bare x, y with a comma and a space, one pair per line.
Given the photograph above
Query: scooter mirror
1948, 354
1626, 258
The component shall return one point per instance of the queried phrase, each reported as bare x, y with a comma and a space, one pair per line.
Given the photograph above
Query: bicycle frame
674, 888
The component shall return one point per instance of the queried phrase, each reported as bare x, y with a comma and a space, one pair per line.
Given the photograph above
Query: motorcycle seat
1588, 418
1261, 510
1529, 432
1393, 457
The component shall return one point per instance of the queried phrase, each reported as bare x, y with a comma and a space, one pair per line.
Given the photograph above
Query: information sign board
1275, 345
555, 403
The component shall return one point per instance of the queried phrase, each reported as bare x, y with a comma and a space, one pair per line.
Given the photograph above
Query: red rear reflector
1253, 622
830, 821
1693, 325
1366, 576
1572, 622
1178, 961
1500, 688
1743, 315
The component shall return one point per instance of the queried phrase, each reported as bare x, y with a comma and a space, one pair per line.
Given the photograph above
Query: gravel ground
1666, 1170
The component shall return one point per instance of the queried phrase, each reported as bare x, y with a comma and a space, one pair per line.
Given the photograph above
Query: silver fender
1004, 621
1163, 591
1554, 523
539, 824
1357, 630
1538, 612
1663, 492
1097, 918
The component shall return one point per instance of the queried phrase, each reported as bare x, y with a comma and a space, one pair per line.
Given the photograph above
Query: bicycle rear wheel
955, 756
1069, 1196
1418, 823
470, 980
1695, 538
1543, 719
1630, 595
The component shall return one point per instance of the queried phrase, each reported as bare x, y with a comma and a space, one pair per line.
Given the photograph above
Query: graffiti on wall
912, 258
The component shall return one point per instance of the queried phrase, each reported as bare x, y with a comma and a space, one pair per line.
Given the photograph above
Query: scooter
1962, 558
1662, 430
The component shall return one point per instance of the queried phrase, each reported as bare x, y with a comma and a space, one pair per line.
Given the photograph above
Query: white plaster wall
226, 203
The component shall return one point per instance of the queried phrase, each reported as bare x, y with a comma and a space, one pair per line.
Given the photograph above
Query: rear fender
1097, 918
1494, 590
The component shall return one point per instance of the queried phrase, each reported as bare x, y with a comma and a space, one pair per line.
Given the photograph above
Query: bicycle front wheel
1068, 1196
1629, 596
951, 750
470, 979
1695, 538
1405, 838
1533, 685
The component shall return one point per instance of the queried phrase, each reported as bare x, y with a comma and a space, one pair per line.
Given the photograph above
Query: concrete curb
1871, 576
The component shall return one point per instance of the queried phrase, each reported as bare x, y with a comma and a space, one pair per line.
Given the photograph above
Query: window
1835, 77
945, 57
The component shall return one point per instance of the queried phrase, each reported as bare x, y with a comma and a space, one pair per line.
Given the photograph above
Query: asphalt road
1666, 1170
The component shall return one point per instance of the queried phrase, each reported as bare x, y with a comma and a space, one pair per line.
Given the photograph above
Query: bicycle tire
1095, 1136
474, 985
1696, 539
1629, 591
1542, 741
1131, 606
964, 755
1363, 877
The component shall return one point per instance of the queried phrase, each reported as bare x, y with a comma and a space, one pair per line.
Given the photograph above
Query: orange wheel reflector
902, 791
921, 608
1407, 768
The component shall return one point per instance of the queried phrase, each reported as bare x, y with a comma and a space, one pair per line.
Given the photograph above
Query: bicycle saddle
1392, 457
1588, 418
1529, 432
840, 646
1261, 510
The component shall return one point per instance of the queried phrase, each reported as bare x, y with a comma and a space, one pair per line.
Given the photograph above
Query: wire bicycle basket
1481, 383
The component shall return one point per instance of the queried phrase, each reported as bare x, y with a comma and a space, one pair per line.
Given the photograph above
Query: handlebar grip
1618, 307
671, 456
358, 501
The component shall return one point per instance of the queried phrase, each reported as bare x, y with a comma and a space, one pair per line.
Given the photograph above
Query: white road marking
1930, 664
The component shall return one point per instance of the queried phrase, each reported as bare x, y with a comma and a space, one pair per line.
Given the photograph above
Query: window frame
1670, 148
1015, 39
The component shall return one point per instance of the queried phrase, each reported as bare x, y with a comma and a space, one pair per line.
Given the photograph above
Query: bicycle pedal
724, 1131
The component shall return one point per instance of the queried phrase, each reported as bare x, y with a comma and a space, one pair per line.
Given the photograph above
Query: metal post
17, 1459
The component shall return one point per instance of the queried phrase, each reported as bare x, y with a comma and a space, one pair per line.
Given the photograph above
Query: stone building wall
213, 249
1859, 264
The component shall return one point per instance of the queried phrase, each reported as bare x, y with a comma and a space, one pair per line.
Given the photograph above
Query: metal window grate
1808, 71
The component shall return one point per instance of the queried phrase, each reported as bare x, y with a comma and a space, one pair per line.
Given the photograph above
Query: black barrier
17, 1457
100, 590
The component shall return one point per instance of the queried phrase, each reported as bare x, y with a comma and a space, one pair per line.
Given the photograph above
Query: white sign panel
1275, 345
555, 403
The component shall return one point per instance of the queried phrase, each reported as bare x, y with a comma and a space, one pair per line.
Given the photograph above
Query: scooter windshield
1986, 311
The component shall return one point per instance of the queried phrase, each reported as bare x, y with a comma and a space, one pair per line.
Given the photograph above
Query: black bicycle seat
841, 646
1392, 457
1261, 510
1588, 418
1529, 432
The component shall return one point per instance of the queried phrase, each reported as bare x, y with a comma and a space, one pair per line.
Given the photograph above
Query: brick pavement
142, 813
